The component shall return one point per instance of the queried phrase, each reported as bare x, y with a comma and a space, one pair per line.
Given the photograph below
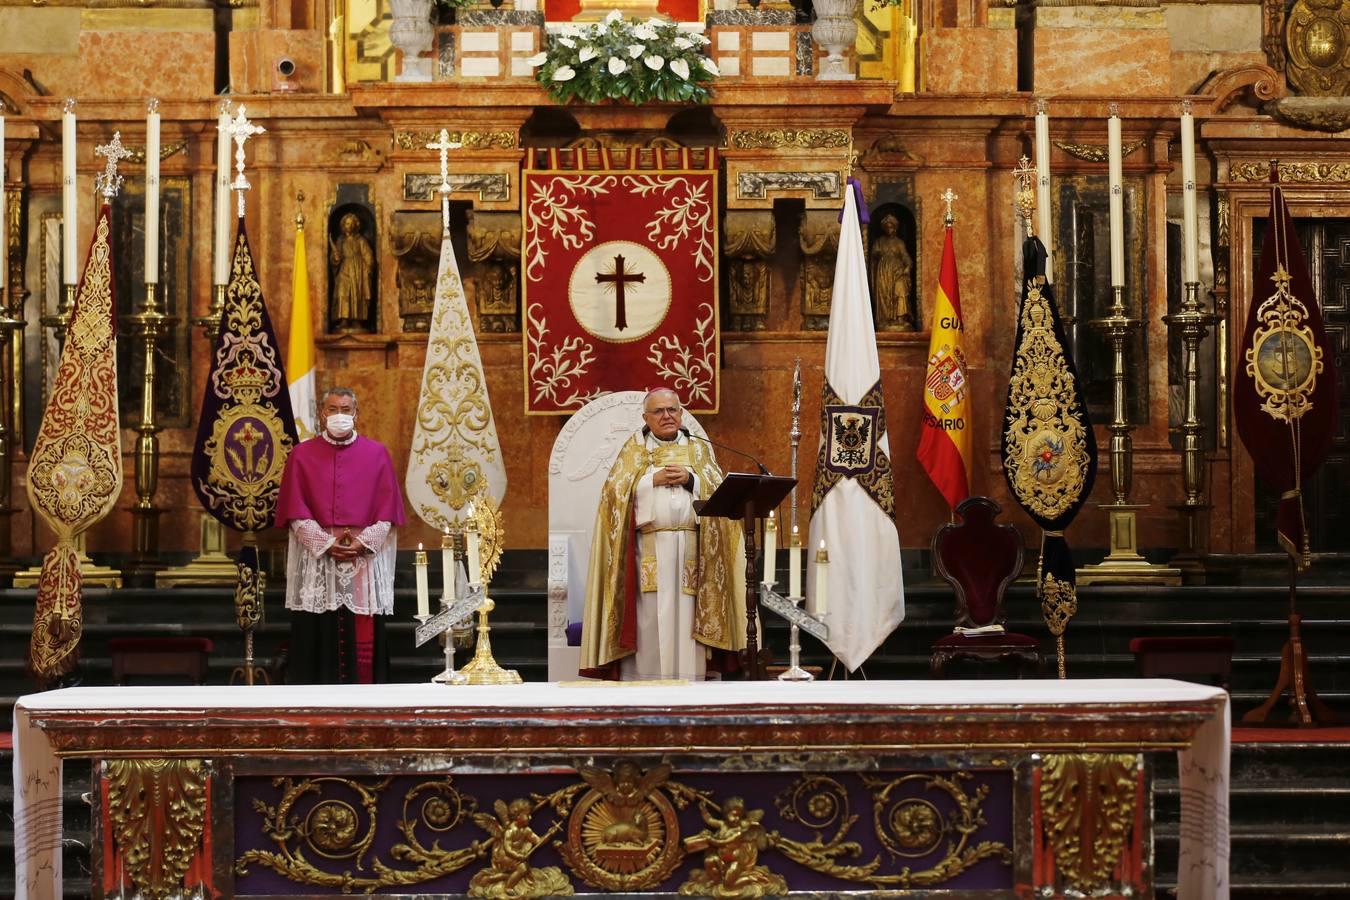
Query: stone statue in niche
892, 275
748, 240
818, 236
415, 242
494, 256
351, 267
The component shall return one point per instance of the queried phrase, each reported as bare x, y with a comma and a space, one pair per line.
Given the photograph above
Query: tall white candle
152, 193
1117, 198
770, 549
795, 564
222, 255
473, 559
822, 580
447, 568
1044, 223
1190, 243
68, 199
420, 565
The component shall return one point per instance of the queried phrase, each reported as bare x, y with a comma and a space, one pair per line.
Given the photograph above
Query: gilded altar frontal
421, 399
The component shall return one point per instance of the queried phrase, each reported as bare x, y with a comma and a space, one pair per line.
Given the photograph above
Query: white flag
853, 503
455, 452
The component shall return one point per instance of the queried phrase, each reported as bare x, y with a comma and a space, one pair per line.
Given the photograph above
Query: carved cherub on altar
731, 861
509, 874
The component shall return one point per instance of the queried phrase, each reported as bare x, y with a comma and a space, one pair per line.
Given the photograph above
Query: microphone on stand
763, 469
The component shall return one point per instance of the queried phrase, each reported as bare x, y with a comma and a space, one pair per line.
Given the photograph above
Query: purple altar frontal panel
626, 828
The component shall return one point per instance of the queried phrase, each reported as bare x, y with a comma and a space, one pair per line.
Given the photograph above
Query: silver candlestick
799, 620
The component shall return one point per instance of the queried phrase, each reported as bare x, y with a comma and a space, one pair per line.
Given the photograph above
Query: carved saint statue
355, 261
892, 272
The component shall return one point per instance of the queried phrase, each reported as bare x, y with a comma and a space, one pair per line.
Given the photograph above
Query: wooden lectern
748, 497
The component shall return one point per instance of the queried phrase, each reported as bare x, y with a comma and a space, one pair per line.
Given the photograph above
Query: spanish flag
300, 353
944, 444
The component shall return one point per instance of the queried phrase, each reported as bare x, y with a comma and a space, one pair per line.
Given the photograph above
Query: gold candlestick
485, 521
483, 669
1123, 564
10, 324
149, 323
1192, 324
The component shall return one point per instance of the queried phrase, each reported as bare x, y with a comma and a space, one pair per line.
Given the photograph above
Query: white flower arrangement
598, 62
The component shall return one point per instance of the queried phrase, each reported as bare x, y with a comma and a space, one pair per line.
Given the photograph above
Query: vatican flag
455, 452
853, 500
300, 353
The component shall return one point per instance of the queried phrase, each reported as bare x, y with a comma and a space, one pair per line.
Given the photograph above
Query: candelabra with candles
1191, 323
482, 527
212, 565
149, 323
1123, 563
790, 607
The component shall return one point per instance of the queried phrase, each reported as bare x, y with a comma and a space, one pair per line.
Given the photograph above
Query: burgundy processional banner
620, 266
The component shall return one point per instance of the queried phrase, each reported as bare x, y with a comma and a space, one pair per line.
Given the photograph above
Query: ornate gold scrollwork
805, 138
1087, 811
157, 812
619, 831
1292, 172
1284, 359
469, 140
336, 829
1096, 152
907, 826
1047, 458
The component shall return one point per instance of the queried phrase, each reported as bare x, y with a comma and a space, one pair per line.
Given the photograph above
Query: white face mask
340, 424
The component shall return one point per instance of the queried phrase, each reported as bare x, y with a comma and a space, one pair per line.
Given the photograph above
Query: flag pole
1308, 708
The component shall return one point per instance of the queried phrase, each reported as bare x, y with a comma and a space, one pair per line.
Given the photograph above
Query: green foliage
624, 59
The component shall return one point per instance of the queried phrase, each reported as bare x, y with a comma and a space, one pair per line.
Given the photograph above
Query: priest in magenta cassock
665, 590
341, 504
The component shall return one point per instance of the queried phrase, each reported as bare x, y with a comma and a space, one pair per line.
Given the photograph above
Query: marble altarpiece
786, 142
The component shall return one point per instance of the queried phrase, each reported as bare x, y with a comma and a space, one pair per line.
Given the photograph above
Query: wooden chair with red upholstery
979, 558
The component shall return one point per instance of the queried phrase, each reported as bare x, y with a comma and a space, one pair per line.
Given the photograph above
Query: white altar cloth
1203, 766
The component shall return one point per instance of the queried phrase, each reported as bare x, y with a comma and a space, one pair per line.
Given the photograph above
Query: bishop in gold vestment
664, 587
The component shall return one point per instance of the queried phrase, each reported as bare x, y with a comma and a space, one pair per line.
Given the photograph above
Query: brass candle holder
1123, 564
211, 566
149, 323
10, 324
1191, 323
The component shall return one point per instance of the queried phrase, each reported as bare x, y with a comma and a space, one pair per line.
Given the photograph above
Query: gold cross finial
1025, 175
241, 129
948, 197
445, 145
110, 182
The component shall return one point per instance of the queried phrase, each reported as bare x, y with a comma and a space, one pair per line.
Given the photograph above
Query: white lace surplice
317, 583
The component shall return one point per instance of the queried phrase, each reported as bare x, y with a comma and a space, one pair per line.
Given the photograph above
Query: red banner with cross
620, 276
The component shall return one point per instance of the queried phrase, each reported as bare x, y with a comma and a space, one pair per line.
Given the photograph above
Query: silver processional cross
445, 145
241, 129
109, 182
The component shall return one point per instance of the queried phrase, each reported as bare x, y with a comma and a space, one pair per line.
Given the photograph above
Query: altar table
977, 788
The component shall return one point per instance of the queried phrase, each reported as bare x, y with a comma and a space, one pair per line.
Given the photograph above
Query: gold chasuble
609, 631
75, 472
